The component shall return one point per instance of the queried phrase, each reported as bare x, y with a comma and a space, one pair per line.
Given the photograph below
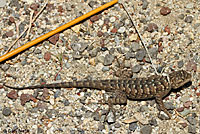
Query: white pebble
112, 19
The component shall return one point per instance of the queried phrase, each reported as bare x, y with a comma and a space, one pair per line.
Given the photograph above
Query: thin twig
30, 24
16, 40
40, 10
142, 41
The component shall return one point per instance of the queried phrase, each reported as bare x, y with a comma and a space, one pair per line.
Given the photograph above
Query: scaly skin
154, 86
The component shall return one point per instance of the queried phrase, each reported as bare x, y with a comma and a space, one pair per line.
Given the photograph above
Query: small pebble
26, 98
93, 53
180, 64
11, 19
185, 112
5, 67
192, 129
9, 33
133, 37
129, 55
47, 56
190, 5
181, 16
93, 3
67, 65
180, 109
121, 29
105, 69
191, 120
112, 19
110, 117
3, 3
57, 94
167, 29
104, 48
153, 52
135, 46
114, 30
12, 94
169, 106
99, 33
40, 130
187, 104
117, 125
108, 59
153, 122
136, 68
163, 116
165, 11
66, 102
140, 55
6, 111
152, 27
34, 6
133, 126
53, 39
147, 129
189, 19
76, 56
101, 59
96, 116
184, 124
143, 108
144, 4
94, 18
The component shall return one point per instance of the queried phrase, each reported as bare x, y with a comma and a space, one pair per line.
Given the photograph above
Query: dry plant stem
31, 22
16, 40
142, 41
40, 10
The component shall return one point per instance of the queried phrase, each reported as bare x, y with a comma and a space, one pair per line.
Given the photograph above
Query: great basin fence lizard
155, 86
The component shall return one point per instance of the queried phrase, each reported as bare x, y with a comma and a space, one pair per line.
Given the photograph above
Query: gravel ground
86, 51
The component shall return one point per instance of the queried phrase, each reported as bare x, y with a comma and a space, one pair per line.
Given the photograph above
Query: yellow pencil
57, 30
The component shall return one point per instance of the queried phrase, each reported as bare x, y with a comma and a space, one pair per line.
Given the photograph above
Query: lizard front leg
122, 72
160, 103
115, 97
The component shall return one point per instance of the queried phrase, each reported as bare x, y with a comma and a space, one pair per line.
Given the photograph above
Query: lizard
152, 87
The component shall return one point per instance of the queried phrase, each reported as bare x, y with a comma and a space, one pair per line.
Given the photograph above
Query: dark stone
192, 129
191, 120
140, 55
133, 126
165, 11
152, 27
136, 68
189, 19
6, 111
153, 122
147, 129
108, 59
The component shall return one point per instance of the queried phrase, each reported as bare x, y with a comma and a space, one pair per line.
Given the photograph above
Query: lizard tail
74, 84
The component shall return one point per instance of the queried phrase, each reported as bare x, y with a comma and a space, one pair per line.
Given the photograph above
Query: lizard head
179, 78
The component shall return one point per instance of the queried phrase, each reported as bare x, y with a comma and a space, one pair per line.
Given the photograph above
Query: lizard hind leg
117, 97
